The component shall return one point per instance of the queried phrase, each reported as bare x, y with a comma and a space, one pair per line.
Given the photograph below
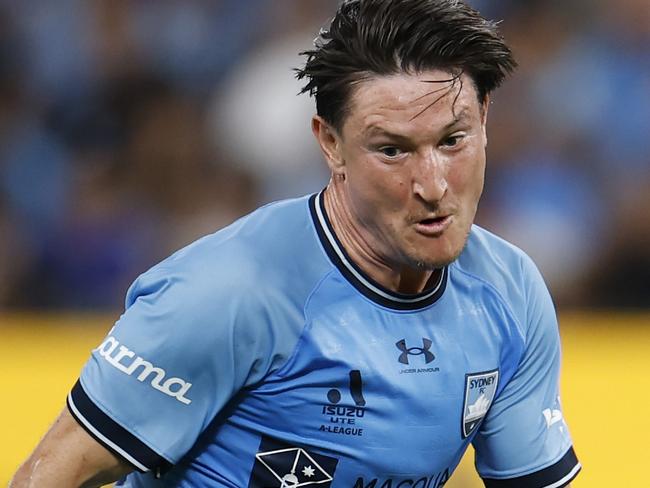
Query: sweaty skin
407, 173
69, 457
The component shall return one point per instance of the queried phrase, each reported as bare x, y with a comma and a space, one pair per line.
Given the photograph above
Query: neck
365, 251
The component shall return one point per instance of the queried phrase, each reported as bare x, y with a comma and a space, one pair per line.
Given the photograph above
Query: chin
440, 256
431, 264
432, 261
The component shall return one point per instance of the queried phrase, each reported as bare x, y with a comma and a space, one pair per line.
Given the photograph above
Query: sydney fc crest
480, 389
279, 465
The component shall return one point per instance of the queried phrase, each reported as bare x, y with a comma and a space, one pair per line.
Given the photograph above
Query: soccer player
360, 337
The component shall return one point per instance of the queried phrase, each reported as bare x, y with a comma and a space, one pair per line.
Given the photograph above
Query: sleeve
524, 440
185, 345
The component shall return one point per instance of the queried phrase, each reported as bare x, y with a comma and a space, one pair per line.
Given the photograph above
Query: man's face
412, 153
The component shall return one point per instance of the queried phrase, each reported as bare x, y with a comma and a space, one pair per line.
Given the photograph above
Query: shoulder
249, 281
495, 260
271, 250
507, 269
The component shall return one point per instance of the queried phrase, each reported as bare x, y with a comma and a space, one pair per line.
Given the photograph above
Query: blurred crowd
128, 128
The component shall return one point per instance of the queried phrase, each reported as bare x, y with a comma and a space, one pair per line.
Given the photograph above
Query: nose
430, 178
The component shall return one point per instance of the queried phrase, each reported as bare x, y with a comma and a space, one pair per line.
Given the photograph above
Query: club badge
480, 389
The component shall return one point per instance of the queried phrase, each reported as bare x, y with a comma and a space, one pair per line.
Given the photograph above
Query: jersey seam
522, 332
531, 471
130, 429
294, 352
505, 304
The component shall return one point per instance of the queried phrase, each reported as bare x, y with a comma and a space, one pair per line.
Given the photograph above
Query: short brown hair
383, 37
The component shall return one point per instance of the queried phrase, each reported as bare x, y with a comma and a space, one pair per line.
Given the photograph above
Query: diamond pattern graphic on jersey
280, 465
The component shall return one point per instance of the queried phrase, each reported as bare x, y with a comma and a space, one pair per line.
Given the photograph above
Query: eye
452, 141
391, 151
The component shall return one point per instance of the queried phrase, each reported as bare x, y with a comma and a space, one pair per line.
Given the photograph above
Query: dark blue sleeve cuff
555, 476
112, 435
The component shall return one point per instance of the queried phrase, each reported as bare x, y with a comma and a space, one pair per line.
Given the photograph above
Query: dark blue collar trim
363, 283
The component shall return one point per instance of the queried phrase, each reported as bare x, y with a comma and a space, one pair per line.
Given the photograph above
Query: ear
484, 113
330, 144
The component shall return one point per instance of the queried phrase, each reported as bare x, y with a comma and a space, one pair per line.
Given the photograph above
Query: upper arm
524, 440
69, 456
188, 342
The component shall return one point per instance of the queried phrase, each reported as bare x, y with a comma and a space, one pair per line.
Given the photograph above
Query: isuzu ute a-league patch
480, 389
279, 465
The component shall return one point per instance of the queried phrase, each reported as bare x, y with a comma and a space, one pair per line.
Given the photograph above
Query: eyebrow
373, 129
380, 131
458, 117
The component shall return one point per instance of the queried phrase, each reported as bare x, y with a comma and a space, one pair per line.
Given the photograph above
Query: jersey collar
362, 282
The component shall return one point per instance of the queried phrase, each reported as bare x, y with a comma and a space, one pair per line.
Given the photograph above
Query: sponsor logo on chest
436, 480
345, 419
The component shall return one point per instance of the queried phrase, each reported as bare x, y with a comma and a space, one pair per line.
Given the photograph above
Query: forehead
431, 98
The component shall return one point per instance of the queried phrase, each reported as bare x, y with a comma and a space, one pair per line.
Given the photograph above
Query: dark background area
128, 128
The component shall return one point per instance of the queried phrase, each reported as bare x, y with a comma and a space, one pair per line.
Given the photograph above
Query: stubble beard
423, 264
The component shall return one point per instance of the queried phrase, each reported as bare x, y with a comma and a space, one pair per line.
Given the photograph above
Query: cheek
467, 177
379, 187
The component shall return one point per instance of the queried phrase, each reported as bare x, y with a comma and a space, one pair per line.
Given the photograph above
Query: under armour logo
415, 351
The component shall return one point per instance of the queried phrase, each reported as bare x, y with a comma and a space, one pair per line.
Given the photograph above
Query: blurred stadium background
128, 128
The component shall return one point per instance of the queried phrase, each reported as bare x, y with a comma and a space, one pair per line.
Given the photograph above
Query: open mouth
435, 220
433, 226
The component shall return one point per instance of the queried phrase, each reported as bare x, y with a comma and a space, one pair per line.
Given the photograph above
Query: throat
414, 281
407, 280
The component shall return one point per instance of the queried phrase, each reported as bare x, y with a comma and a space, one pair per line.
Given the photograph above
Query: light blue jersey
261, 356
